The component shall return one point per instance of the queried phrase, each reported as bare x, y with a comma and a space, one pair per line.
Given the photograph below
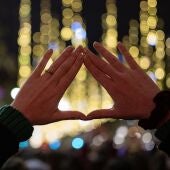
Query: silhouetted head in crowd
14, 163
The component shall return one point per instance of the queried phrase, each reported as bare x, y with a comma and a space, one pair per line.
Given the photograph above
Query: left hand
38, 99
131, 88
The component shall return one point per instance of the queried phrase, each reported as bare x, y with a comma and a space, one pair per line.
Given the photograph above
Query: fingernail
50, 51
69, 48
79, 50
96, 43
120, 44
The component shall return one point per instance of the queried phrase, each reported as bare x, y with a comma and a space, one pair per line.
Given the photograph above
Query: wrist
14, 121
22, 110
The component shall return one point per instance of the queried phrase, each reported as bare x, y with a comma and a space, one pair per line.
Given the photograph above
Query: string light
24, 41
109, 40
152, 43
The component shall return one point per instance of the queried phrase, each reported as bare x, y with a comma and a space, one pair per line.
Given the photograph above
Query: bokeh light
77, 143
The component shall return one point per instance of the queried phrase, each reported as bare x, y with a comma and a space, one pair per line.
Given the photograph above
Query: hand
38, 99
131, 88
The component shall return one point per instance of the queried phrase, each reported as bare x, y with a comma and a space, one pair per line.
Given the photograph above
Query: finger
65, 54
68, 115
64, 67
109, 56
40, 67
99, 75
69, 76
102, 65
103, 113
128, 57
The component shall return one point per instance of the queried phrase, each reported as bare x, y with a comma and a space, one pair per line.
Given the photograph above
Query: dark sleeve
163, 134
8, 144
14, 128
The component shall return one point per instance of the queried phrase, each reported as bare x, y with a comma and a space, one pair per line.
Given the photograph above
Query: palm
130, 88
39, 97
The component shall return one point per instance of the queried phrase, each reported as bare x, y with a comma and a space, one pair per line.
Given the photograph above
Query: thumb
101, 114
69, 115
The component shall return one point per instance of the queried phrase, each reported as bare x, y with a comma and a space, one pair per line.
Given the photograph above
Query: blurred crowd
105, 158
95, 154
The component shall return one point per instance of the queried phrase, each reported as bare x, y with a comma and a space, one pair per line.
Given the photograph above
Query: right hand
131, 88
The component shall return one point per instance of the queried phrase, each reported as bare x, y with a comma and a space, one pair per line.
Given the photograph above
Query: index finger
64, 55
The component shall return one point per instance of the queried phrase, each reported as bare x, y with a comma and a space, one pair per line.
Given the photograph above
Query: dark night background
92, 11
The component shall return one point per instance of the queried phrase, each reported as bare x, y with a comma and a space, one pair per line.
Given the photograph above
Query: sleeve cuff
14, 120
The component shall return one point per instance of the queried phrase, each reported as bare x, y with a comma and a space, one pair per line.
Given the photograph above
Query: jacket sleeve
8, 144
14, 128
163, 134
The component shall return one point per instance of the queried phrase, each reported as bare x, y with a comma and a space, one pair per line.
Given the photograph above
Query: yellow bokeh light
67, 13
36, 37
134, 23
67, 21
26, 24
133, 31
144, 62
44, 29
152, 22
159, 73
144, 5
44, 39
143, 42
67, 2
24, 40
112, 32
152, 38
111, 20
152, 3
134, 51
160, 53
24, 30
144, 27
25, 10
144, 16
168, 42
54, 23
24, 71
152, 11
24, 60
46, 18
25, 50
66, 33
77, 18
111, 8
54, 33
110, 41
82, 74
38, 50
76, 6
133, 39
160, 44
